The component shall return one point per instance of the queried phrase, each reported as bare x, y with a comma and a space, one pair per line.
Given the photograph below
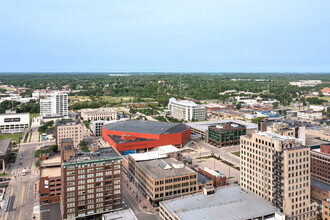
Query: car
21, 157
1, 180
20, 163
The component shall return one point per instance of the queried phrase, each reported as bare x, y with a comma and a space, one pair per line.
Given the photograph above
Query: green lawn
14, 137
237, 153
325, 98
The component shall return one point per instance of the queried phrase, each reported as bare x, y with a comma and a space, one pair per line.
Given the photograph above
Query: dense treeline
31, 106
197, 86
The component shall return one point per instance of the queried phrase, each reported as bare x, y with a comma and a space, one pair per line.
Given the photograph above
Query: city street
21, 188
34, 127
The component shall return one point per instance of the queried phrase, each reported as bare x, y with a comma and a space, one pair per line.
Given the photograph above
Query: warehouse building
134, 135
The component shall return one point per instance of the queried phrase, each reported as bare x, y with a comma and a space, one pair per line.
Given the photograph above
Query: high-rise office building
186, 110
91, 182
55, 104
277, 169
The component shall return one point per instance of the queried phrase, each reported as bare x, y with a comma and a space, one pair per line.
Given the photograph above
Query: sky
165, 36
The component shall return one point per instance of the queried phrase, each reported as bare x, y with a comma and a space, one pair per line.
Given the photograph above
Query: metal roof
146, 127
225, 203
203, 126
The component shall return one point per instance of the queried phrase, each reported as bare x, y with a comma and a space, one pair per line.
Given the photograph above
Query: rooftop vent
178, 165
165, 166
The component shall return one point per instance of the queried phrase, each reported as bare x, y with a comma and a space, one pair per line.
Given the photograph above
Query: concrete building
69, 129
186, 110
96, 128
225, 134
133, 135
277, 169
161, 179
55, 104
91, 182
98, 114
224, 203
309, 115
4, 152
320, 163
12, 122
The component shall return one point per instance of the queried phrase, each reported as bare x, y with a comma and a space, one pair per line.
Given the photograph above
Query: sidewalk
137, 195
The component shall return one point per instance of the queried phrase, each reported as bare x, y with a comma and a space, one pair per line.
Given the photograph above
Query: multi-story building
55, 104
12, 122
186, 110
217, 178
69, 129
309, 115
91, 182
326, 209
161, 179
106, 114
225, 134
96, 128
50, 185
320, 161
277, 169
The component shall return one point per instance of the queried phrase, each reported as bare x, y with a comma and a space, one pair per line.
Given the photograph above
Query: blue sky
164, 35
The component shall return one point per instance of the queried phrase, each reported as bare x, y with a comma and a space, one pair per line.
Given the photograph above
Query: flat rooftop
203, 126
52, 160
314, 141
4, 144
146, 127
50, 172
125, 214
277, 136
227, 126
320, 185
152, 168
225, 203
161, 152
99, 154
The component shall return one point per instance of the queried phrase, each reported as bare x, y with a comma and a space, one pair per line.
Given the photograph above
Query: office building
69, 129
96, 128
320, 162
309, 115
222, 203
161, 179
12, 122
54, 105
225, 134
186, 110
277, 169
91, 182
135, 135
105, 114
50, 185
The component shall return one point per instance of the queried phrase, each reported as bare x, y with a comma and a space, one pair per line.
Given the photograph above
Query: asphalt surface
21, 188
131, 203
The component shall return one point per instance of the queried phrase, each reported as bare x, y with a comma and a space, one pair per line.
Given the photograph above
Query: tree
83, 146
321, 94
275, 104
238, 106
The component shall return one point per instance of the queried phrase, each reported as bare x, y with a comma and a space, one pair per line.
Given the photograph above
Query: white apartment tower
55, 104
186, 110
277, 169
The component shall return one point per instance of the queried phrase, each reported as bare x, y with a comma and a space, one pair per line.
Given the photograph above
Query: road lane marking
130, 201
20, 208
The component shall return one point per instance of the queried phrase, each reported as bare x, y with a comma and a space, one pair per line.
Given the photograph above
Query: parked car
21, 157
1, 180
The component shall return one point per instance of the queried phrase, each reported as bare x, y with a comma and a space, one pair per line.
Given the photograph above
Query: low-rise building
4, 152
223, 203
326, 209
69, 129
218, 179
125, 214
225, 134
309, 115
319, 190
12, 122
105, 114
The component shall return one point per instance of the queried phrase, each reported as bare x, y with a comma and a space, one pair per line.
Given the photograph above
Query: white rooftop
161, 152
277, 136
184, 102
203, 126
126, 214
225, 203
